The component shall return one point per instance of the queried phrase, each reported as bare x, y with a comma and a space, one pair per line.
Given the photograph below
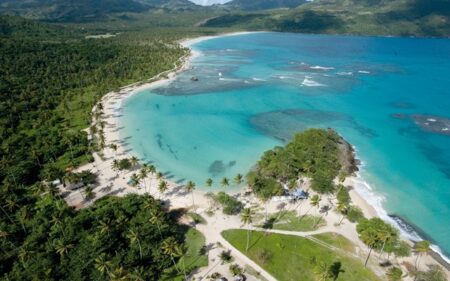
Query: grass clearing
192, 259
289, 257
198, 219
291, 222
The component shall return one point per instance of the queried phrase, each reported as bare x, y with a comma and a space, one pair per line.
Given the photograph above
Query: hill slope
85, 10
370, 17
256, 5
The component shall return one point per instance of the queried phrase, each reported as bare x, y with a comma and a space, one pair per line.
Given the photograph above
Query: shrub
354, 214
124, 164
235, 269
230, 206
264, 256
394, 274
226, 257
342, 195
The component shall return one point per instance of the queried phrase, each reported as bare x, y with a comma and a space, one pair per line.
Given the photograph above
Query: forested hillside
87, 10
256, 5
368, 17
50, 78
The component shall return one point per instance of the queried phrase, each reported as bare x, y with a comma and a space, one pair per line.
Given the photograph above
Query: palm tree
342, 208
159, 175
384, 236
315, 202
322, 270
38, 188
102, 264
89, 193
247, 219
156, 218
190, 187
114, 147
134, 161
62, 248
238, 179
370, 238
143, 173
116, 166
209, 182
171, 248
162, 186
135, 181
104, 226
151, 169
119, 274
225, 182
56, 220
135, 238
421, 248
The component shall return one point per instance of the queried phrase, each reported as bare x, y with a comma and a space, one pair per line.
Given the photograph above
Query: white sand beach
116, 183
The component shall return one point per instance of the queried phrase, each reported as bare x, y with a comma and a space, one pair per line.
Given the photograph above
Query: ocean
245, 94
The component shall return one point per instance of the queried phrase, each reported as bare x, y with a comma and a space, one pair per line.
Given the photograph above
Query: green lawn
290, 258
193, 258
336, 240
198, 219
291, 222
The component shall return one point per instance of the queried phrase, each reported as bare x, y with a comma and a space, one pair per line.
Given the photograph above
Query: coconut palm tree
171, 248
134, 161
421, 248
322, 270
116, 167
57, 220
370, 238
89, 193
113, 147
162, 186
238, 179
156, 218
62, 247
102, 264
315, 202
225, 182
247, 219
119, 274
209, 182
190, 187
135, 238
385, 236
135, 180
143, 173
342, 208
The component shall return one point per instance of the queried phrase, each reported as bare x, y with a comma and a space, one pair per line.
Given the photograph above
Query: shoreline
358, 193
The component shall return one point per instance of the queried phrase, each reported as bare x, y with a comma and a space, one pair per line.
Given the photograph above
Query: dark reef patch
402, 105
217, 167
433, 124
284, 124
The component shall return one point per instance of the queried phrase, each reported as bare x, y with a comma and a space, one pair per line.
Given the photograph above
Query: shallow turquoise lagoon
387, 96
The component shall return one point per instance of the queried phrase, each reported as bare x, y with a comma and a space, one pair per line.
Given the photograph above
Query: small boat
194, 78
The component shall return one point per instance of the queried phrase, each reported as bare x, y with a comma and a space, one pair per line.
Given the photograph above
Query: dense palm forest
50, 78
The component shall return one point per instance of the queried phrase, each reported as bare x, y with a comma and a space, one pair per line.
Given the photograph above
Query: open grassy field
291, 222
290, 258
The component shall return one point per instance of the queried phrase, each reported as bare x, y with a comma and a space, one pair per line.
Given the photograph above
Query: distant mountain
85, 10
256, 5
369, 17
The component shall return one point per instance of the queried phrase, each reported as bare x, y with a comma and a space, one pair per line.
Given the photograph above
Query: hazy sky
209, 2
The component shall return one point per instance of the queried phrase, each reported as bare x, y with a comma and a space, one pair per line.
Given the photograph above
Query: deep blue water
387, 96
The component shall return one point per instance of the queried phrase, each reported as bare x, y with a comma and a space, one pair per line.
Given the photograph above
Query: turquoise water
387, 96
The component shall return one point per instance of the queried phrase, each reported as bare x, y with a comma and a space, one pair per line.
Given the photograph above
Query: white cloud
209, 2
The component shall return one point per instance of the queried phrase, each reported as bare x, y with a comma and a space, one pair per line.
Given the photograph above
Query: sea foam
308, 82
